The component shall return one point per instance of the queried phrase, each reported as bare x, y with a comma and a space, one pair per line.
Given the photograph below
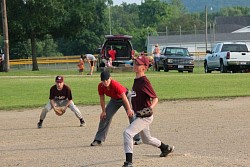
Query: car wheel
180, 70
223, 68
190, 71
206, 68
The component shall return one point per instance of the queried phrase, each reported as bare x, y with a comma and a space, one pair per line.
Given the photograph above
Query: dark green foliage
213, 5
73, 27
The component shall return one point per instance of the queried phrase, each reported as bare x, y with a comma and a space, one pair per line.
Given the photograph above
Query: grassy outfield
29, 89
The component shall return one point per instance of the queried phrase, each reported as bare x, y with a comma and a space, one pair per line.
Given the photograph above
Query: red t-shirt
142, 91
115, 90
112, 53
63, 94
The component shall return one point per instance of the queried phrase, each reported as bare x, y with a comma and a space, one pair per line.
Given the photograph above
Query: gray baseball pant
60, 103
111, 108
141, 126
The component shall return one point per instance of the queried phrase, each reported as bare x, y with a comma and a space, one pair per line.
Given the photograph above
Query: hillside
214, 5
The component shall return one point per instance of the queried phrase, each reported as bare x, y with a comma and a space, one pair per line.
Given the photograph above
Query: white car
227, 56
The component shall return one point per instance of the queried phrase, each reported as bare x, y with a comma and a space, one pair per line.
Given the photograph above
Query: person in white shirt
91, 60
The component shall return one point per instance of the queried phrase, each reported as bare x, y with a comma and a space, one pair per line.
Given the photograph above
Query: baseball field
206, 118
205, 133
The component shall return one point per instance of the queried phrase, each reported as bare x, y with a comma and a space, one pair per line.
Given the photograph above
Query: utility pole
110, 20
6, 37
206, 26
180, 34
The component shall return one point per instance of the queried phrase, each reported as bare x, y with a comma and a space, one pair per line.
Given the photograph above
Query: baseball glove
59, 111
146, 112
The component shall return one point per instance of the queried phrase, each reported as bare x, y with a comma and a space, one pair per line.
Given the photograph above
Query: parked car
176, 58
123, 47
227, 56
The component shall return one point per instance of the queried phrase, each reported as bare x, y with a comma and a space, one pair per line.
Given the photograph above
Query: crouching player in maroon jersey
144, 99
60, 96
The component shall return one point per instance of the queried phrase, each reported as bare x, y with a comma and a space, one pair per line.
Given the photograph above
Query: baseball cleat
96, 143
39, 125
82, 123
168, 149
128, 164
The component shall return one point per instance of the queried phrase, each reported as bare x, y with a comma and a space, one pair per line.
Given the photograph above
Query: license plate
180, 66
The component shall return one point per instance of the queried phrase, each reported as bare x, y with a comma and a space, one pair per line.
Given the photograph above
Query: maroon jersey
63, 94
115, 90
142, 92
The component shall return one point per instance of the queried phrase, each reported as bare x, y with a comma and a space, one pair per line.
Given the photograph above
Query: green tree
83, 28
152, 12
34, 19
47, 47
234, 11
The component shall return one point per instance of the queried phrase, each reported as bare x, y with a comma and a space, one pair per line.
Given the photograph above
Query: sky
118, 2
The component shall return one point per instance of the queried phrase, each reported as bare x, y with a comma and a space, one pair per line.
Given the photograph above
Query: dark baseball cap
142, 60
59, 79
105, 75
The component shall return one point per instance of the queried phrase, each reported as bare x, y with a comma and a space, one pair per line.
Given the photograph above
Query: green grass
30, 89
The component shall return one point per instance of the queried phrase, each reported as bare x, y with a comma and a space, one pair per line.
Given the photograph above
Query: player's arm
102, 103
154, 102
67, 105
130, 112
52, 102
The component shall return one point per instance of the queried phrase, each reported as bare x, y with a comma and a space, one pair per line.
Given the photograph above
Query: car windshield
177, 51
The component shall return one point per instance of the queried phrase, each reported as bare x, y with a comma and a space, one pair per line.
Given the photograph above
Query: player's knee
45, 110
127, 134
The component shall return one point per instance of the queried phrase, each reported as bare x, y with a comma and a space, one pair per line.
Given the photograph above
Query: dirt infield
207, 133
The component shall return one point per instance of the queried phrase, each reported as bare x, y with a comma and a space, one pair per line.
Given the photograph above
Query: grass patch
30, 89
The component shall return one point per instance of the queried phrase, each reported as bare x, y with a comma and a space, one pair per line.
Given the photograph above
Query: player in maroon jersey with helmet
60, 96
144, 99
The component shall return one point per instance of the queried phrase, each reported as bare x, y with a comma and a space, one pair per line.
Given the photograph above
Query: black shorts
91, 63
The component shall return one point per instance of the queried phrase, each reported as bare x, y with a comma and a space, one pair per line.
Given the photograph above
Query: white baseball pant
141, 126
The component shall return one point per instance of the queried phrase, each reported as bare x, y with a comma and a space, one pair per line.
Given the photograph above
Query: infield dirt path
206, 133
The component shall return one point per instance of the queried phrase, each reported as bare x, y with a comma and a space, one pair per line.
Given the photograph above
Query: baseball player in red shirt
119, 96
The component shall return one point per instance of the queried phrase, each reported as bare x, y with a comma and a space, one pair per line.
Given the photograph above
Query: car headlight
170, 60
191, 61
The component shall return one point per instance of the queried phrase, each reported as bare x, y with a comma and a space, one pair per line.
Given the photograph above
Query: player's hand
103, 116
130, 113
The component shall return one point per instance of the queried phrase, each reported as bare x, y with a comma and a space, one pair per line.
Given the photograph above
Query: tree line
73, 27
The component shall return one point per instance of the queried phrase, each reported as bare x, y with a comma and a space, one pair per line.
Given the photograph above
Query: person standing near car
112, 54
91, 60
156, 54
